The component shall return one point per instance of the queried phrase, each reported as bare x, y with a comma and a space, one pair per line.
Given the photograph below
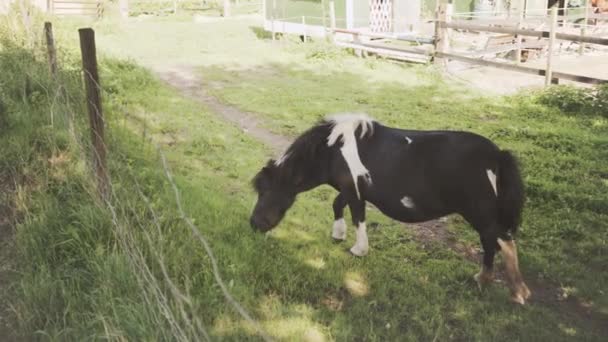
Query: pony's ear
262, 179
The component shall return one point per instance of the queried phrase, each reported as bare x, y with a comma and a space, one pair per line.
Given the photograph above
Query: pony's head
274, 197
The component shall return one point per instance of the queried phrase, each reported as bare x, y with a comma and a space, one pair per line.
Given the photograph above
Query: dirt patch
185, 80
544, 292
7, 255
436, 231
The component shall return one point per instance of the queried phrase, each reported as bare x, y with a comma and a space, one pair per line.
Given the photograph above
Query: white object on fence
549, 70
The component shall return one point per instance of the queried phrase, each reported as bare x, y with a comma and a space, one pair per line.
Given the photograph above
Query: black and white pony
410, 176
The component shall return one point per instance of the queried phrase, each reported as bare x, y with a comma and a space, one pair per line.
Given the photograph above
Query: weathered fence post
553, 24
272, 18
226, 8
324, 16
332, 19
93, 90
584, 27
441, 38
50, 48
304, 28
124, 8
520, 18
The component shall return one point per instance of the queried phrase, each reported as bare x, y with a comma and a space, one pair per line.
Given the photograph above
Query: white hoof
359, 251
339, 230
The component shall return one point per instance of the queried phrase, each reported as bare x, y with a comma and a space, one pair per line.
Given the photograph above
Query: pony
409, 175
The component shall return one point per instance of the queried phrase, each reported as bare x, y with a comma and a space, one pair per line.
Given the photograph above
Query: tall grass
131, 269
91, 269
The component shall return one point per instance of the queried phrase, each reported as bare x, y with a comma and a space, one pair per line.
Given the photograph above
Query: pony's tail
510, 192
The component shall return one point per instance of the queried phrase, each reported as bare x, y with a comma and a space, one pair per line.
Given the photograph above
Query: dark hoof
337, 241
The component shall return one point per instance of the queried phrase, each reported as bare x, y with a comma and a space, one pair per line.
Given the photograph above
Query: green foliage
83, 265
577, 100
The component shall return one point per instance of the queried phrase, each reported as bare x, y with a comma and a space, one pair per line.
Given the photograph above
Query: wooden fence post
520, 18
584, 27
332, 19
50, 48
304, 28
272, 18
124, 8
441, 38
324, 16
93, 90
553, 24
226, 8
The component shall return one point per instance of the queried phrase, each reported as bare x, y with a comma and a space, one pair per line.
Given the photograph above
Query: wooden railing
92, 8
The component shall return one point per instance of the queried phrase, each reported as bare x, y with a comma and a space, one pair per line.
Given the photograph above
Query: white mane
345, 126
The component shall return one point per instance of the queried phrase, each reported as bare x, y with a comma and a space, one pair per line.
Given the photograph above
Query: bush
571, 99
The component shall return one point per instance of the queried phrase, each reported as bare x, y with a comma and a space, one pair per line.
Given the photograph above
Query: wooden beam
392, 48
50, 48
552, 28
332, 19
93, 90
421, 40
519, 68
398, 55
524, 32
441, 36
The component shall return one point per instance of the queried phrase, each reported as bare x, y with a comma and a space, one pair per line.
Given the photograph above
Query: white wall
406, 15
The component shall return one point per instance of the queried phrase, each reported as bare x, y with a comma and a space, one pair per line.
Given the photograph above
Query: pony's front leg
338, 232
357, 210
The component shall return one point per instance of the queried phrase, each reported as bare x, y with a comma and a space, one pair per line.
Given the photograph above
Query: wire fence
172, 305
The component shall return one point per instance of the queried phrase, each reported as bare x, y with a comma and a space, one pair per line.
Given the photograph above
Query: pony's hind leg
519, 290
339, 228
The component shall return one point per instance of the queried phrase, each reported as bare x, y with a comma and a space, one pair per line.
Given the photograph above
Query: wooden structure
510, 38
92, 8
377, 16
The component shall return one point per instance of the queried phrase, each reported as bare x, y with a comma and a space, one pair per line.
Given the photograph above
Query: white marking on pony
339, 229
361, 247
345, 126
409, 140
492, 178
407, 202
282, 159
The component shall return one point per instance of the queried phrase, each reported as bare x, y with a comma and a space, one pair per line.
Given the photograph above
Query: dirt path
185, 80
545, 293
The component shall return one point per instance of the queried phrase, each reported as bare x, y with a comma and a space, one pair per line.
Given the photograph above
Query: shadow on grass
290, 99
261, 33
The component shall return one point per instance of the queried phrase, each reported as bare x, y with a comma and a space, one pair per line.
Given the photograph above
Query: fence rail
442, 54
93, 8
524, 32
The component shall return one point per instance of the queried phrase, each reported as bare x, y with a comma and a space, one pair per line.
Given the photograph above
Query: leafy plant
572, 99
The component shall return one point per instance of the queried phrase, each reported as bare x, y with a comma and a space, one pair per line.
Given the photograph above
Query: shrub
571, 99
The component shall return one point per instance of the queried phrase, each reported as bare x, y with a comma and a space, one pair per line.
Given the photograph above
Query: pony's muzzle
259, 224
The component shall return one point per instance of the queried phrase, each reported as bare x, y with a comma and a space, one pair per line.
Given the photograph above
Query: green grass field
133, 271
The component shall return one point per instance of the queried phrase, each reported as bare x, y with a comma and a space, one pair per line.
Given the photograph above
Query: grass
82, 266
